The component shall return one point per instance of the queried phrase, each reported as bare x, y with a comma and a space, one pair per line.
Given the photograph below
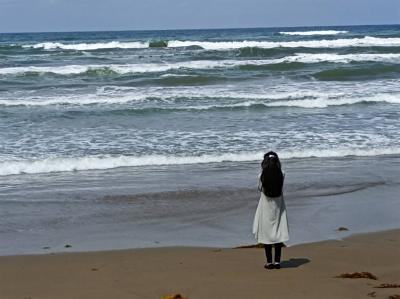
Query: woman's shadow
294, 262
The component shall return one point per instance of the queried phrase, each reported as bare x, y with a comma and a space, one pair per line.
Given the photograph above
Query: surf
306, 58
314, 32
64, 164
367, 41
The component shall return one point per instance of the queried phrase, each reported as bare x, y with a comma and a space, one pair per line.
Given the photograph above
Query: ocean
154, 138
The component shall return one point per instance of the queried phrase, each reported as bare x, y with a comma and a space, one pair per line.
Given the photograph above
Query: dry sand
308, 272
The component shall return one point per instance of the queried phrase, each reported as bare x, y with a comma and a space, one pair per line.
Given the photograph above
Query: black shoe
277, 266
269, 266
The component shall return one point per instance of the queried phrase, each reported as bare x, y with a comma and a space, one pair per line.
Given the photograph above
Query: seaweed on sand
367, 275
174, 296
387, 286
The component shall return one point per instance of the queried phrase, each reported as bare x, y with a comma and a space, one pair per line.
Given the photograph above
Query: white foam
344, 58
127, 68
122, 95
316, 32
204, 64
366, 41
78, 100
89, 46
324, 102
165, 98
107, 162
61, 70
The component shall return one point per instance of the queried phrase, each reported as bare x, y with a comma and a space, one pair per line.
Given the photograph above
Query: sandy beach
308, 271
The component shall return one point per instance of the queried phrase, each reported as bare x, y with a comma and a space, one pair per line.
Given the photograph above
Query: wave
367, 41
316, 32
89, 46
171, 99
122, 95
201, 64
327, 102
108, 162
127, 68
358, 73
322, 102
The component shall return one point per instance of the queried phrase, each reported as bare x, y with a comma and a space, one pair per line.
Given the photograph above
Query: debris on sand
394, 296
372, 294
259, 245
387, 286
342, 229
250, 246
175, 296
367, 275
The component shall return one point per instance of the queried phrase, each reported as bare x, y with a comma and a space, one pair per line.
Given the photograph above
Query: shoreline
202, 218
343, 230
148, 208
308, 271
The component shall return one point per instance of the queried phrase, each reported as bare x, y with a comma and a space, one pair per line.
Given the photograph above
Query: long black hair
271, 176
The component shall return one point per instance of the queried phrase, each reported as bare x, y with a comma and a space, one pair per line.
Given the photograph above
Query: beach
129, 161
308, 271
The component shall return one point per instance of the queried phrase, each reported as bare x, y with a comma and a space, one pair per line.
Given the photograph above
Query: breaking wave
108, 162
202, 64
89, 46
315, 32
171, 99
367, 41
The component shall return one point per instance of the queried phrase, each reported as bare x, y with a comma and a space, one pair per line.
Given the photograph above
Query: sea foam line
165, 99
367, 41
89, 46
315, 32
203, 64
123, 95
106, 162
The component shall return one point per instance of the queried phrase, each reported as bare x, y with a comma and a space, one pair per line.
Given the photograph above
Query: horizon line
193, 29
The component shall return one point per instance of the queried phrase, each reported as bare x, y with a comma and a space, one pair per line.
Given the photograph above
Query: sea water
117, 131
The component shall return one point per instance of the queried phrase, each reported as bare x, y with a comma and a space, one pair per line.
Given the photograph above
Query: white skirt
270, 224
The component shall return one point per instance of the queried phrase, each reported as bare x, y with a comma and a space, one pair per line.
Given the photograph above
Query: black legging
278, 252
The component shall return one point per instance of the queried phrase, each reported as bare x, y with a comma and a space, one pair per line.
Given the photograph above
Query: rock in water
158, 44
342, 229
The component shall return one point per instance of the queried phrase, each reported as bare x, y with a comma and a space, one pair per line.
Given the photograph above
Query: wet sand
308, 271
191, 206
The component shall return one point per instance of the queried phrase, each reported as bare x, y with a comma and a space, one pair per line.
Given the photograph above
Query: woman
270, 225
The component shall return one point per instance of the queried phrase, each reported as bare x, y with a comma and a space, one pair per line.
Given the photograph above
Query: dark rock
158, 44
342, 229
